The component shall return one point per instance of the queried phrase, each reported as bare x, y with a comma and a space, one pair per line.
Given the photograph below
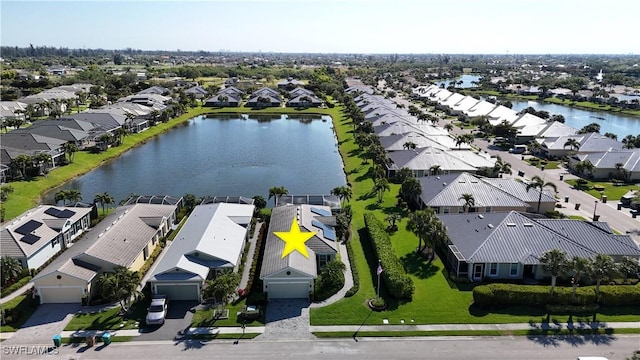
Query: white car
157, 310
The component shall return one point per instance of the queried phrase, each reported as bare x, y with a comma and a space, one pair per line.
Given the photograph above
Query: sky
329, 26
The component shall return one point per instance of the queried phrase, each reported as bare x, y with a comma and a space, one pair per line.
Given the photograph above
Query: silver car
157, 310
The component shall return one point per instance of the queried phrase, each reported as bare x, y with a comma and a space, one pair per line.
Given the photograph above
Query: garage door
288, 290
60, 295
179, 292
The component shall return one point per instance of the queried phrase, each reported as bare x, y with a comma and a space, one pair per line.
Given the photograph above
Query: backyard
436, 300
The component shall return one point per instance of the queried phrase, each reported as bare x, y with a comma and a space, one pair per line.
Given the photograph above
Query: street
443, 348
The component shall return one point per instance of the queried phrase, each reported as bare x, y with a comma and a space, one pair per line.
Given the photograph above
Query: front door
478, 271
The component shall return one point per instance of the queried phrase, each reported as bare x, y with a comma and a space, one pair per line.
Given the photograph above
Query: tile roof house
293, 276
509, 245
40, 233
224, 100
212, 239
198, 91
442, 193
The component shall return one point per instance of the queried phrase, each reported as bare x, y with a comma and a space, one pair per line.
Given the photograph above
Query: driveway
47, 321
287, 319
179, 316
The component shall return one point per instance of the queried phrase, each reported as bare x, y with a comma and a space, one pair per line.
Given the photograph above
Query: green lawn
435, 301
548, 164
612, 192
204, 318
20, 309
108, 320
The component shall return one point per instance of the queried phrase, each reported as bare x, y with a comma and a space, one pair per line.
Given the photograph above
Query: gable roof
36, 228
446, 190
154, 90
425, 158
272, 261
126, 232
212, 236
196, 90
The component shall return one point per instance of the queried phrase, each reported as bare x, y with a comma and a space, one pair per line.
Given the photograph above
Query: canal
235, 155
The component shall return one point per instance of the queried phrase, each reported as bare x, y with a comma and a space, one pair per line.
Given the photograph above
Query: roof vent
444, 184
528, 224
490, 226
511, 224
480, 216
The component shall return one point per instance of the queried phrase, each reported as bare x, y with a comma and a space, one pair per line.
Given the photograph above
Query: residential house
398, 142
443, 193
509, 245
224, 100
293, 276
616, 164
423, 161
37, 235
264, 97
15, 144
555, 148
305, 101
289, 83
198, 91
210, 241
12, 110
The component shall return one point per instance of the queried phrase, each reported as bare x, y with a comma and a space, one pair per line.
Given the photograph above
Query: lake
621, 125
235, 155
466, 81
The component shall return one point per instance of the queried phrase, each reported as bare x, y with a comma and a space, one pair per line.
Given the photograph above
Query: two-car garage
288, 284
177, 291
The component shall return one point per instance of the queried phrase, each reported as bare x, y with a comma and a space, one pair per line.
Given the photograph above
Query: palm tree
120, 133
277, 191
222, 287
10, 270
435, 169
403, 174
429, 230
409, 145
602, 268
21, 162
343, 193
538, 183
70, 149
573, 144
554, 262
73, 195
410, 190
380, 186
343, 223
502, 167
104, 199
469, 201
392, 219
628, 267
60, 195
580, 266
448, 127
260, 203
119, 285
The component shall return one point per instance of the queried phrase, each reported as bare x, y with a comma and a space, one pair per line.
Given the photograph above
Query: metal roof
212, 232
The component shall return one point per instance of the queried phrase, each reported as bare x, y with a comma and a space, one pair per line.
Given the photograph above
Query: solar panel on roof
317, 224
30, 239
322, 212
329, 233
66, 213
28, 227
52, 211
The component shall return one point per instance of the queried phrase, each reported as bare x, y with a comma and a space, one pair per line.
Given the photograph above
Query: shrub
572, 309
398, 283
17, 285
354, 271
532, 295
483, 296
619, 295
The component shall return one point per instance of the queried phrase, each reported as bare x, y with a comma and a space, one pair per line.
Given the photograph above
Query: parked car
157, 311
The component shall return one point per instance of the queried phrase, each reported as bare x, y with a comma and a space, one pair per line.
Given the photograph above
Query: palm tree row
104, 199
600, 268
71, 196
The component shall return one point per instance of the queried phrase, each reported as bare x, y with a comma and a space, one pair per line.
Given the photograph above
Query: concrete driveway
179, 316
47, 321
287, 319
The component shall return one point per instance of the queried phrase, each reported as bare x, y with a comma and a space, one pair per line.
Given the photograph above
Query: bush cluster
151, 259
539, 295
255, 263
17, 285
398, 283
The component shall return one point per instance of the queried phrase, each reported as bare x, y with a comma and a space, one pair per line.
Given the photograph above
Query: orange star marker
294, 239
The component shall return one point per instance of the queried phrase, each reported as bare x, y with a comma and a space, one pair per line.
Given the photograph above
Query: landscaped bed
109, 319
613, 191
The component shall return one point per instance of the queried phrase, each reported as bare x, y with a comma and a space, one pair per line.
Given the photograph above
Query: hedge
17, 285
398, 283
539, 295
354, 271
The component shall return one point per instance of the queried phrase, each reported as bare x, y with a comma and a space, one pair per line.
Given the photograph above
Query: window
145, 252
460, 209
513, 271
446, 210
487, 209
493, 269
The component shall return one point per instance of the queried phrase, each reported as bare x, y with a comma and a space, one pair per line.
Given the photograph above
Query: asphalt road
443, 348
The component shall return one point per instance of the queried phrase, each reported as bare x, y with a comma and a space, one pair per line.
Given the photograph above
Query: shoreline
23, 198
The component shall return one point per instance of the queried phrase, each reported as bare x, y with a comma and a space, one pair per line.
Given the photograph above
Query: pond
224, 155
621, 125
